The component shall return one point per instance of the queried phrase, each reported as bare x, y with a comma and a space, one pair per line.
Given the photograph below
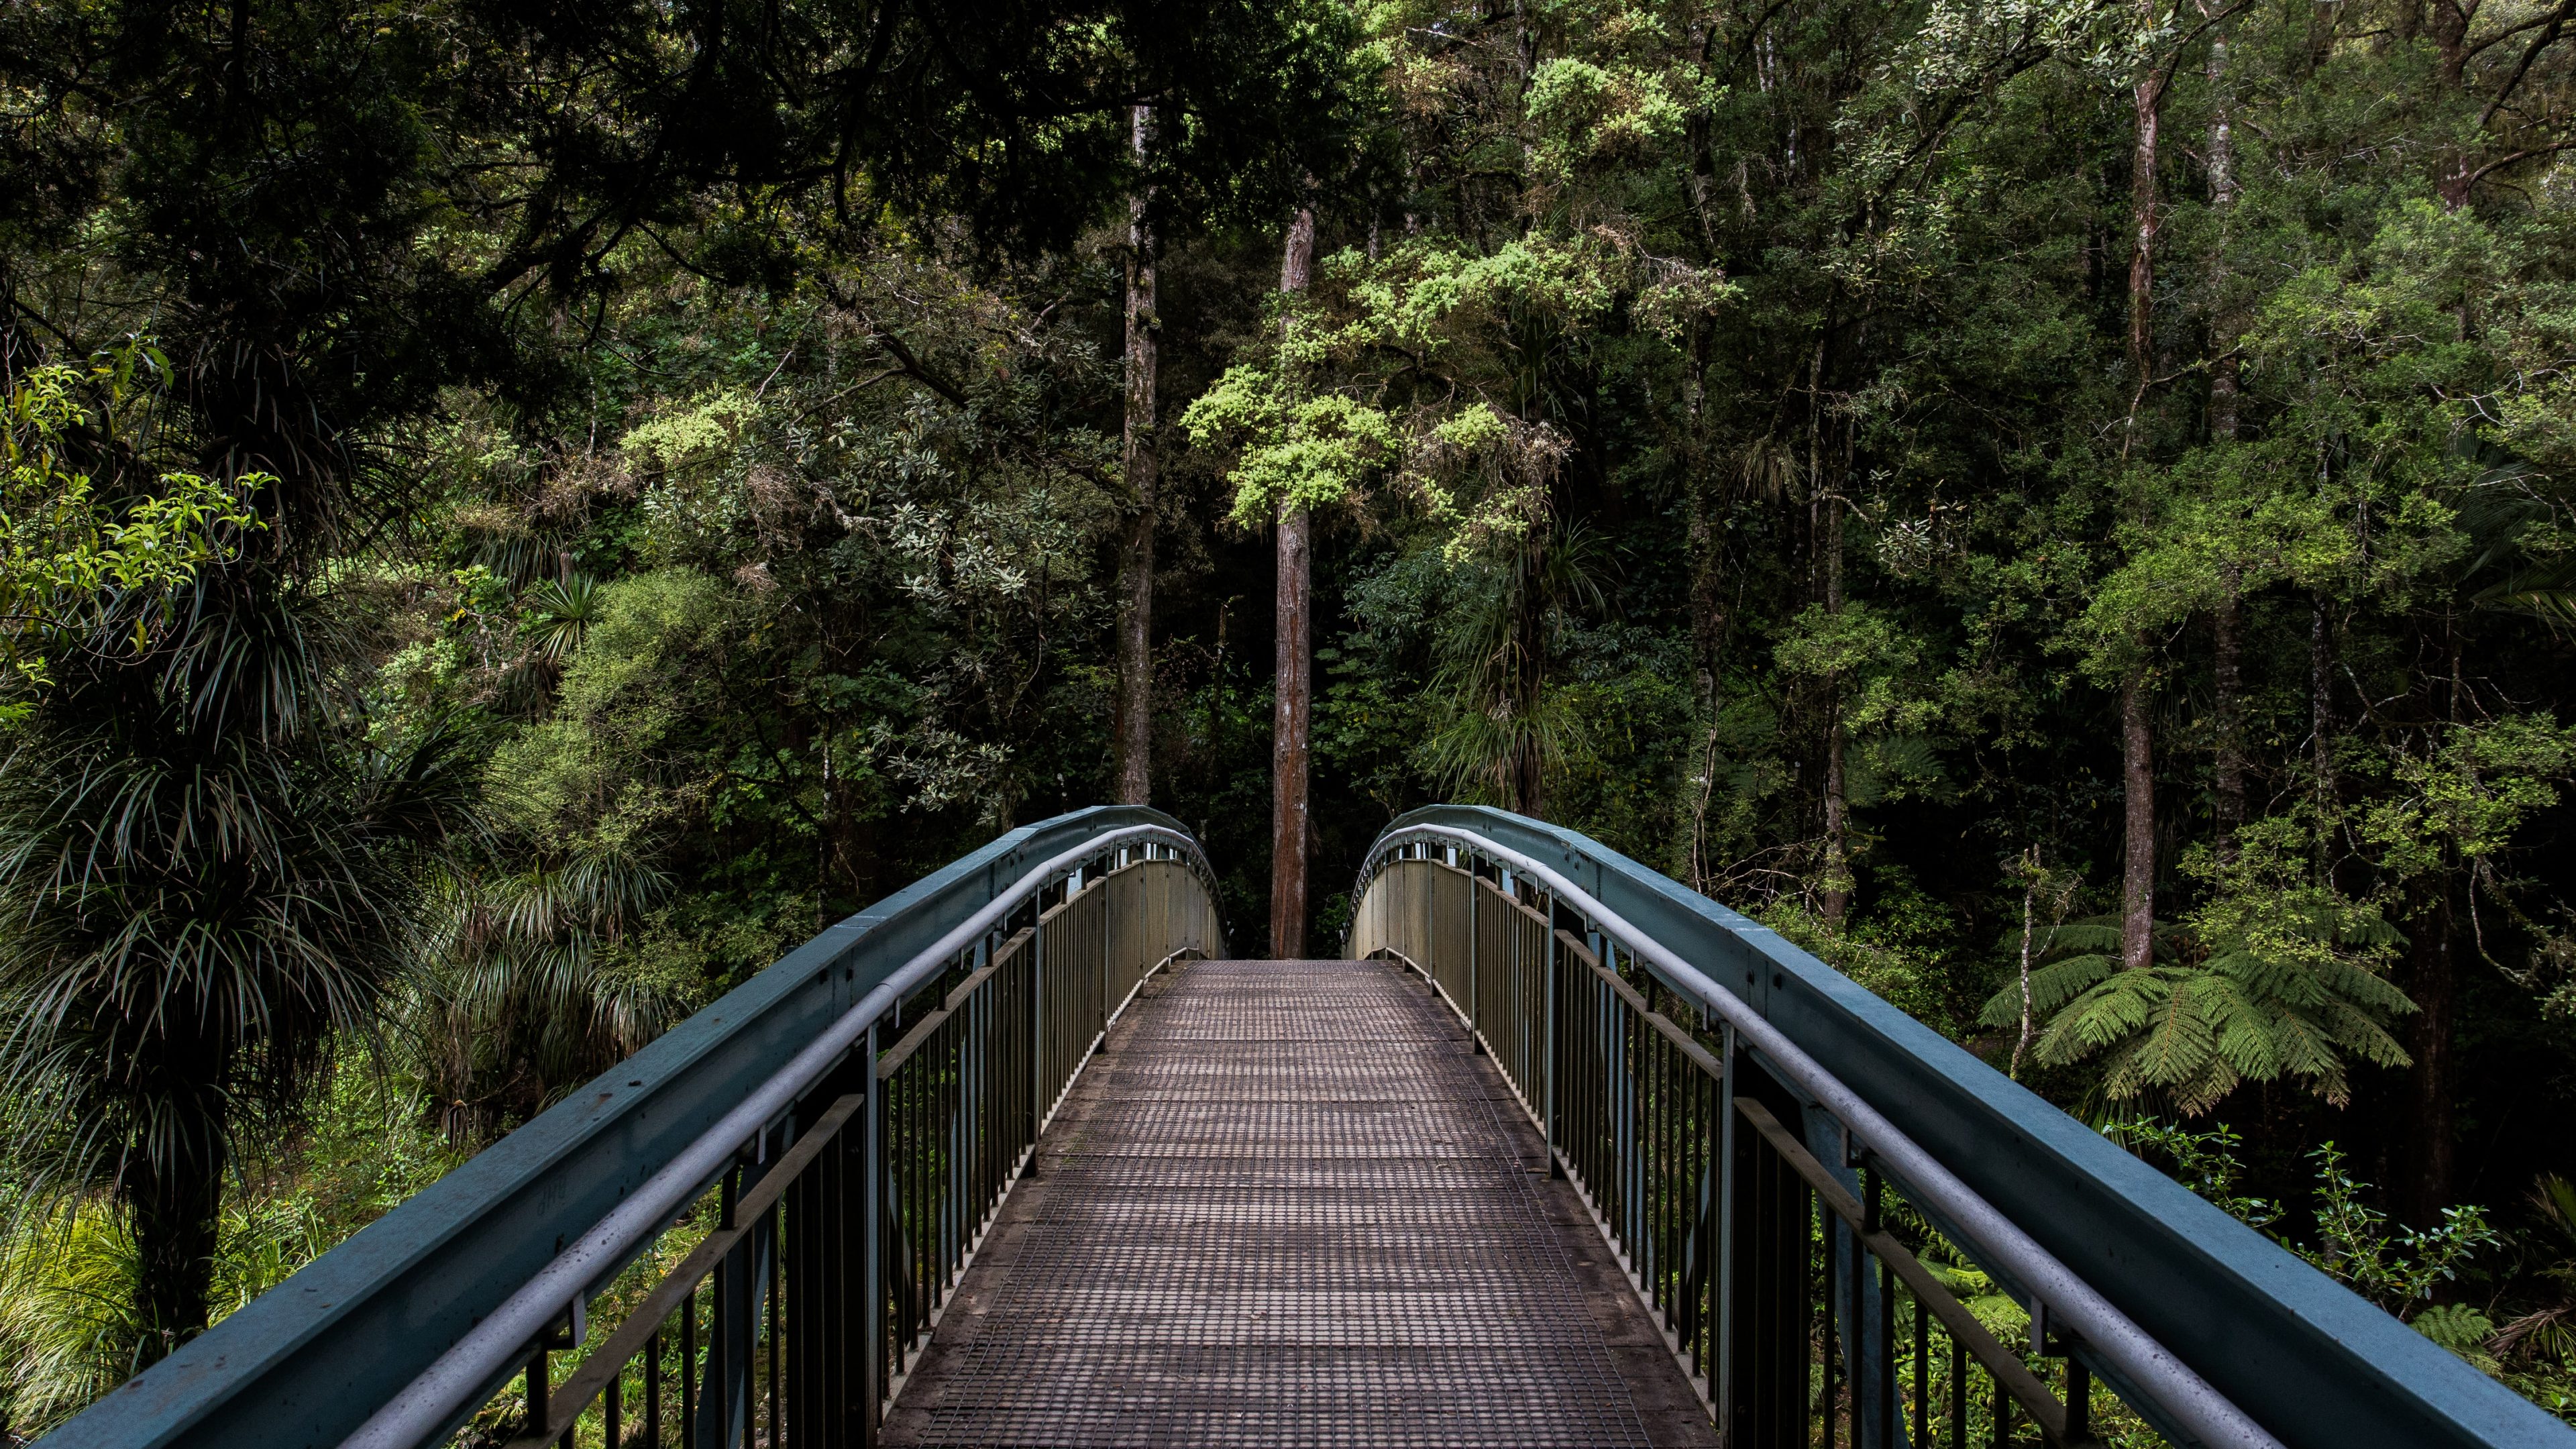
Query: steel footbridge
1560, 1152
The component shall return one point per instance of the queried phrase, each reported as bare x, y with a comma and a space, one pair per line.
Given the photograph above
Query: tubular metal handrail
2200, 1410
1503, 853
431, 1403
1044, 935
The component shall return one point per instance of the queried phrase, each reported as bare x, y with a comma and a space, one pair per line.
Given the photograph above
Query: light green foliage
1901, 950
2469, 791
1585, 114
1309, 452
1405, 369
622, 695
63, 547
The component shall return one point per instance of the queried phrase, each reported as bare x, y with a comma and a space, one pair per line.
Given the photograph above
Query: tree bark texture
2225, 325
2227, 643
2145, 218
2433, 984
2321, 711
2137, 738
2227, 648
176, 1206
1838, 878
1134, 734
1293, 680
2138, 864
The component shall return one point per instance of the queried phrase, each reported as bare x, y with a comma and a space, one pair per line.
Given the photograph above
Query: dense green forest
515, 515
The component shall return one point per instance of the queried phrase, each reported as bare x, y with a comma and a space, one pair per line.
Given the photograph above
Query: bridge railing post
1548, 1124
1475, 953
1719, 1364
873, 1306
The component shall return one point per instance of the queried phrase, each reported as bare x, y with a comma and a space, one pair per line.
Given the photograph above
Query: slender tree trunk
176, 1207
1294, 682
2433, 984
2321, 711
2227, 650
2138, 864
2029, 1025
1838, 878
1706, 616
2226, 623
2226, 326
1135, 725
2137, 739
2146, 219
2448, 26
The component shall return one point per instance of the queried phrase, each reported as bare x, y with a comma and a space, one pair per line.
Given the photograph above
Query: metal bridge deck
1287, 1205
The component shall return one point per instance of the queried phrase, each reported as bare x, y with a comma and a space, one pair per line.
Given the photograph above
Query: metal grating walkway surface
1287, 1205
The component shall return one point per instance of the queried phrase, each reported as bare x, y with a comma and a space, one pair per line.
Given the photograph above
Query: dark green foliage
695, 440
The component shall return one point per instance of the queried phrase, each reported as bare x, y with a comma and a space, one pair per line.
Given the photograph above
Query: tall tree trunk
2433, 984
1838, 878
2227, 665
2137, 739
2225, 325
2321, 711
2226, 623
2029, 1022
2138, 838
1293, 680
2146, 223
1134, 744
2145, 217
1706, 617
176, 1206
2448, 26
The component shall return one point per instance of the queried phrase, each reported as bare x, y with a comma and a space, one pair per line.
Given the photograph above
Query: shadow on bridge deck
1287, 1206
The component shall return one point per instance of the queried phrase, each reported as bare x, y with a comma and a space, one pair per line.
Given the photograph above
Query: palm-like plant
559, 613
525, 996
1506, 729
209, 879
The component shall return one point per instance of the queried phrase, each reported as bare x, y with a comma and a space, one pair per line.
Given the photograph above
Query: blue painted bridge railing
743, 1233
1783, 1162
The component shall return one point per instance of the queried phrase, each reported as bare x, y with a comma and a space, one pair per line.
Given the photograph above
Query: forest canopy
514, 516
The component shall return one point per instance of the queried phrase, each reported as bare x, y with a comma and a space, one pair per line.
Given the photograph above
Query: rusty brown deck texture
1288, 1206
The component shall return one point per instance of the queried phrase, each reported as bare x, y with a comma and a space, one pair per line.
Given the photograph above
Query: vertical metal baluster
1721, 1275
653, 1391
1663, 1172
872, 1307
777, 1290
1886, 1355
1958, 1393
1825, 1216
2003, 1416
689, 1369
1922, 1375
1856, 1354
2079, 1399
721, 1310
612, 1406
1547, 1102
537, 1389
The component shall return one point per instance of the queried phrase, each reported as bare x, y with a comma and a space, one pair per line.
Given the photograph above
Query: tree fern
2275, 976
